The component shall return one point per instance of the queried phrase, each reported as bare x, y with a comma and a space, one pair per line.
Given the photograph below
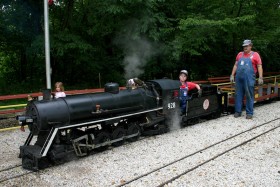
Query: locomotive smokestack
46, 94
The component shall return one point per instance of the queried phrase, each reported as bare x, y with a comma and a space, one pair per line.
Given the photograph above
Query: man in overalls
246, 66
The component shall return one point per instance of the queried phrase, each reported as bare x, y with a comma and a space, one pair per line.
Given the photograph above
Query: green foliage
93, 40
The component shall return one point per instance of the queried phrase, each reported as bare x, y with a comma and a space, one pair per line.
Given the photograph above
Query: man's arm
231, 79
234, 69
258, 61
260, 70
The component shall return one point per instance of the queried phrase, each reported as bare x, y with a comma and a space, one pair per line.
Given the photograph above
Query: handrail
11, 106
37, 94
270, 77
20, 107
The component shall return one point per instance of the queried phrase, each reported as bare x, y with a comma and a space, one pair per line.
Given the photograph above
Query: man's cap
184, 71
247, 42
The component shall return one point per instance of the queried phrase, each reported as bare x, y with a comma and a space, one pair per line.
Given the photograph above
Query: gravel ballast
7, 122
254, 164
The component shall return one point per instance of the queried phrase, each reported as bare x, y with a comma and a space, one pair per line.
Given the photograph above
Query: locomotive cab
168, 91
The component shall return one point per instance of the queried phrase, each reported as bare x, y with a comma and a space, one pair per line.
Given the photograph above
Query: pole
99, 77
47, 44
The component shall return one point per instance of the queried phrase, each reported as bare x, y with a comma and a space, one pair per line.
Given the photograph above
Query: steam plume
137, 54
138, 50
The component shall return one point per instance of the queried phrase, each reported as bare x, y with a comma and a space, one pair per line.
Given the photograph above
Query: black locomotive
86, 122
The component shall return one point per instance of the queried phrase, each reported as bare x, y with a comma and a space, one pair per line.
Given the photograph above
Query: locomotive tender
86, 122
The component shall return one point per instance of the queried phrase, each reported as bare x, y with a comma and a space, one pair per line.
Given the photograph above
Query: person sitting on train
29, 98
184, 88
59, 90
135, 83
131, 84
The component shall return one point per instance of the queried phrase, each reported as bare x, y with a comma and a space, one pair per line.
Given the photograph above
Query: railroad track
17, 172
190, 162
10, 167
13, 172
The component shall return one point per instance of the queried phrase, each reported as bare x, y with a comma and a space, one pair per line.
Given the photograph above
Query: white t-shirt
59, 94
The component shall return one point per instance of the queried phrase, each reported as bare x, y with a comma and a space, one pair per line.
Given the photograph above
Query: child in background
184, 88
59, 90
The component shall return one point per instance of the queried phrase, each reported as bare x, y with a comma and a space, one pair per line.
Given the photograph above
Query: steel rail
11, 167
194, 153
216, 156
29, 172
9, 128
15, 175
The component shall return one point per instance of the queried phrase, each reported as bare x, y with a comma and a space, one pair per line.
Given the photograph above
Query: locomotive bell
112, 87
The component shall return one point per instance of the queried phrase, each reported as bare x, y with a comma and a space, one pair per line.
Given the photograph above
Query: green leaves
196, 35
92, 37
197, 22
64, 44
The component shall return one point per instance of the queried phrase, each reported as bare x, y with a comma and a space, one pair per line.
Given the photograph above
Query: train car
86, 122
269, 91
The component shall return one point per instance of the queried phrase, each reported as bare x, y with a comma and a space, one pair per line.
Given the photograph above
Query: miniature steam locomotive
85, 122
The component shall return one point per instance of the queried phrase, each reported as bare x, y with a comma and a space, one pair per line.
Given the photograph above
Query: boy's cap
247, 42
184, 71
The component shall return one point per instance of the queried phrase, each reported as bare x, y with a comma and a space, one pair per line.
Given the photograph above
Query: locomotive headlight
24, 120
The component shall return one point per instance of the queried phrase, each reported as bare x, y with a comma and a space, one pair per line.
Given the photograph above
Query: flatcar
85, 122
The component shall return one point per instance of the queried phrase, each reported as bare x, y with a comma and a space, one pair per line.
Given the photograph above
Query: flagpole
47, 44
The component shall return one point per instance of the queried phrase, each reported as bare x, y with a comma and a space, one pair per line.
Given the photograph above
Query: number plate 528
171, 105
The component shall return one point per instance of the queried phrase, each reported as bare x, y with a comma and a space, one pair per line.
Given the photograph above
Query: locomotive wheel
101, 138
132, 129
216, 115
119, 132
162, 129
194, 121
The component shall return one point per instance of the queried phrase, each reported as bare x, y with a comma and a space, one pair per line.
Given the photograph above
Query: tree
125, 38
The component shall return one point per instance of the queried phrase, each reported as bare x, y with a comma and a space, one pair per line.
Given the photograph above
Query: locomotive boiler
85, 122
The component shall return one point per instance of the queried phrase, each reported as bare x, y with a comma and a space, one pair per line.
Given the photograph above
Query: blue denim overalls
244, 84
183, 97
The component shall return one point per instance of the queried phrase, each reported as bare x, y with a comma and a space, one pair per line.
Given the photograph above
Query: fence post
268, 91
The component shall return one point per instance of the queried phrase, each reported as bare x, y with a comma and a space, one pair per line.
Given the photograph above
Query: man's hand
231, 79
199, 92
260, 81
